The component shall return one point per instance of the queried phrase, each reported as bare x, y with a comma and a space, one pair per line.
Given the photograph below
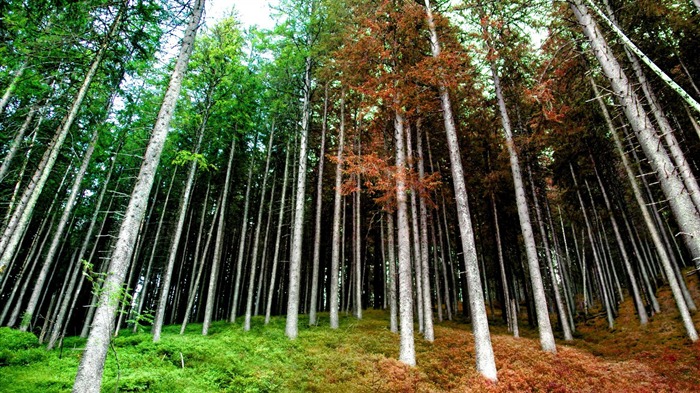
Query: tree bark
175, 241
335, 245
218, 245
278, 239
485, 362
13, 84
14, 145
89, 375
313, 319
256, 238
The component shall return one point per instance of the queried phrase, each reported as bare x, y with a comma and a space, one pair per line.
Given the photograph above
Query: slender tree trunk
199, 260
391, 281
256, 238
13, 84
501, 265
264, 258
242, 242
313, 320
561, 307
416, 243
14, 145
335, 245
428, 332
218, 246
175, 242
636, 296
485, 362
89, 375
543, 322
278, 239
291, 329
407, 352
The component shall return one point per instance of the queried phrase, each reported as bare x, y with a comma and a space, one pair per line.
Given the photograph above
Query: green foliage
184, 157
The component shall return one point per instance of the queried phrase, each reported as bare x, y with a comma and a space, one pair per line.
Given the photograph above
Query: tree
89, 375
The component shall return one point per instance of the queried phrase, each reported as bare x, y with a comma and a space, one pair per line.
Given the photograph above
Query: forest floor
361, 357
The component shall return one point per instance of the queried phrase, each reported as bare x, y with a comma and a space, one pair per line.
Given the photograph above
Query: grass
360, 357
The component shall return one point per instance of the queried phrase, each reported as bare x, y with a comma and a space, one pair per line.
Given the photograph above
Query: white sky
250, 12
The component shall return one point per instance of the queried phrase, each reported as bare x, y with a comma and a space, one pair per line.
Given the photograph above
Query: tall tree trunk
407, 351
218, 246
391, 281
175, 241
335, 245
291, 329
561, 307
278, 239
543, 322
416, 243
89, 375
20, 219
242, 243
485, 362
636, 296
199, 260
501, 266
256, 238
13, 84
673, 187
264, 258
428, 332
14, 145
313, 304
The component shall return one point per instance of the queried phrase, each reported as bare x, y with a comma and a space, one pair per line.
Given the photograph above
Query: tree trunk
175, 242
543, 323
485, 362
89, 375
416, 242
278, 239
13, 84
407, 351
291, 329
313, 304
256, 238
428, 332
335, 245
242, 242
14, 145
218, 245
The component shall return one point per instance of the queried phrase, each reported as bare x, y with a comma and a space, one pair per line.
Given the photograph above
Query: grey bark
14, 145
391, 280
218, 246
485, 362
291, 329
256, 238
278, 239
313, 304
407, 351
242, 241
416, 253
544, 325
428, 331
335, 244
175, 242
60, 230
89, 375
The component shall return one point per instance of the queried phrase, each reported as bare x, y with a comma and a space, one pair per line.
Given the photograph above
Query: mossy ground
360, 357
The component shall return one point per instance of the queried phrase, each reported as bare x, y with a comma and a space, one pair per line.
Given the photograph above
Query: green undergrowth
360, 356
